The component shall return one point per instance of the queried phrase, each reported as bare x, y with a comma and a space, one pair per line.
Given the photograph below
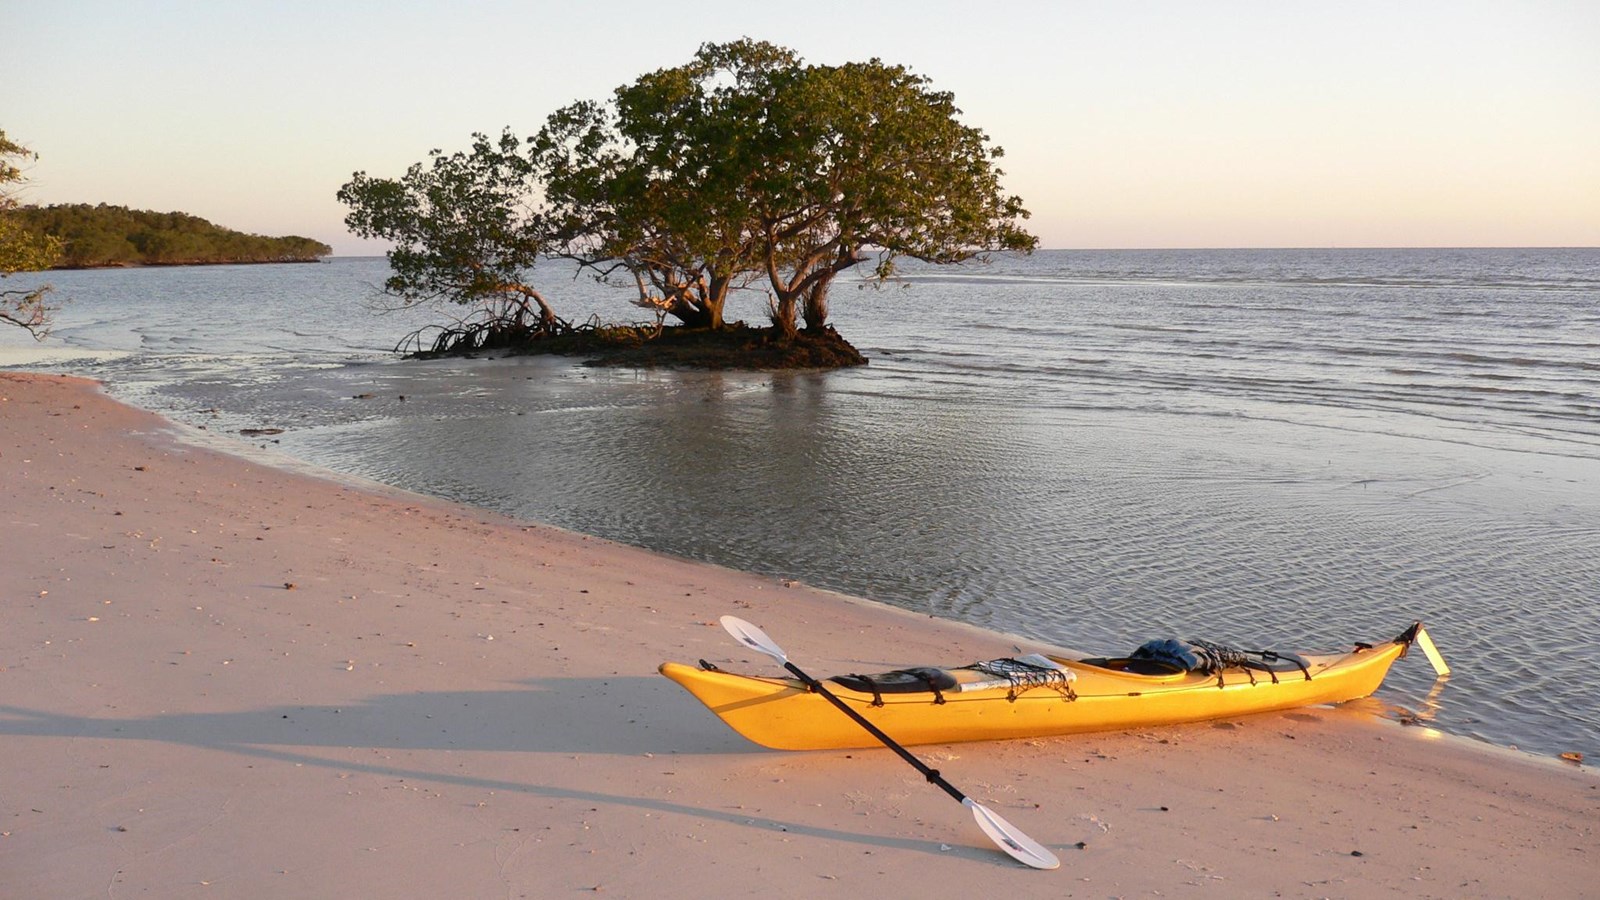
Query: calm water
1267, 448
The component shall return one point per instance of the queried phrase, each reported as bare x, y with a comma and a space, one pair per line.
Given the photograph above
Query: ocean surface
1272, 449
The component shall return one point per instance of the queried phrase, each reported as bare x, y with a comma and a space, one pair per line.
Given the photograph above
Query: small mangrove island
103, 236
743, 170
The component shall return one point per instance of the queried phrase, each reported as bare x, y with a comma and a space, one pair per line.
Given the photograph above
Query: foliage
861, 160
22, 249
743, 165
464, 232
746, 164
657, 183
102, 235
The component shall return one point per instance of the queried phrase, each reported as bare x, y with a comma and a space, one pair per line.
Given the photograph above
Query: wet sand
222, 679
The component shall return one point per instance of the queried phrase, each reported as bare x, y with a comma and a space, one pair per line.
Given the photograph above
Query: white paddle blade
1022, 848
753, 637
1432, 652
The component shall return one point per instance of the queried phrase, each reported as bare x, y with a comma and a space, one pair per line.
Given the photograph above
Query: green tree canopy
864, 160
658, 182
464, 230
22, 249
743, 165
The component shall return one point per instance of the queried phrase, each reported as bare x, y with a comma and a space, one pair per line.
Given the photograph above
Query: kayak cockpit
1127, 665
1012, 674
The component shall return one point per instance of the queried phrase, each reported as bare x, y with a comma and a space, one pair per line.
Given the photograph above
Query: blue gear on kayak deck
1207, 658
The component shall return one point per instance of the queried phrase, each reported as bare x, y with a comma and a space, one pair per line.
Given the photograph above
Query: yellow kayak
1163, 683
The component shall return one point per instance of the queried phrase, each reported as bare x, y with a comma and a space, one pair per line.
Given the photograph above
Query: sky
1126, 124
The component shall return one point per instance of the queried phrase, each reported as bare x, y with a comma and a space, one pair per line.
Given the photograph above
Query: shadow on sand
581, 716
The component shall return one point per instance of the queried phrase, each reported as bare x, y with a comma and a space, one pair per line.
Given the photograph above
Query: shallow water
1290, 449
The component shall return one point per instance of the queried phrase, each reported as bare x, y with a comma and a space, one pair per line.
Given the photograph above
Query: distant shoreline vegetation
101, 236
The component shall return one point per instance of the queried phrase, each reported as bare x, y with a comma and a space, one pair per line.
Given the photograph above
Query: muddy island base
736, 346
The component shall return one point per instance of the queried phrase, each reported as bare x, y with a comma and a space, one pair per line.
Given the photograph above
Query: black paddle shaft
931, 774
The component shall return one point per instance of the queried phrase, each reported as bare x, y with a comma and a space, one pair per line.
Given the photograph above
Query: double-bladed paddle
1021, 847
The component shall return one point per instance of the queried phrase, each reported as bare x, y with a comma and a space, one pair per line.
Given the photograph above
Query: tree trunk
817, 305
547, 316
716, 296
783, 311
691, 314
